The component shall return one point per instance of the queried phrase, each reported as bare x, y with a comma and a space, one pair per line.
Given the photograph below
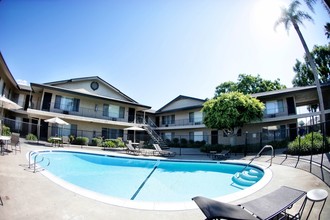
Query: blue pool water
144, 179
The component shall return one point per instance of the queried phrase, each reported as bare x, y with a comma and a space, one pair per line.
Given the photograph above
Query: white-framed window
168, 119
113, 111
196, 117
67, 103
274, 107
168, 135
196, 136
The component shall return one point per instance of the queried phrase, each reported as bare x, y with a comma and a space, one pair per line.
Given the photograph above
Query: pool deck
28, 195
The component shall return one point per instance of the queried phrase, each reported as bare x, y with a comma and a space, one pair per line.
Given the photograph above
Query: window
109, 133
66, 103
113, 111
276, 132
196, 117
168, 135
274, 107
168, 119
196, 136
64, 130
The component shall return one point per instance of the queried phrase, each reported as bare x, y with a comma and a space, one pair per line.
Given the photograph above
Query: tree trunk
314, 70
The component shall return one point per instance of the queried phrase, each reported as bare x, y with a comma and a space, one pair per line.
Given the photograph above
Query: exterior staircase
149, 127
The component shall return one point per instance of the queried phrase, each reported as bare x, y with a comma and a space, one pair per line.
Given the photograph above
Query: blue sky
153, 50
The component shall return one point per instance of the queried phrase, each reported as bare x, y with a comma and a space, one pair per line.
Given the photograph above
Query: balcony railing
85, 112
182, 122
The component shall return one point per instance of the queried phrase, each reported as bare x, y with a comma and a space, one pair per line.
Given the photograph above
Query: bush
71, 139
120, 142
31, 137
184, 142
207, 148
82, 141
6, 131
109, 143
310, 143
97, 141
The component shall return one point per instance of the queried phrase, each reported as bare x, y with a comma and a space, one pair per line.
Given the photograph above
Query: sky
153, 50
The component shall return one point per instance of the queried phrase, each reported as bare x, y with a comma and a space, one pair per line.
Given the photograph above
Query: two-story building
182, 117
94, 107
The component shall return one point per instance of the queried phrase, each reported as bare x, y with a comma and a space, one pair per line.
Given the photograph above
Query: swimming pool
145, 182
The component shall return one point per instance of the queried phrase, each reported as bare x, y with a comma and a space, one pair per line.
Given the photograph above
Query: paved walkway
28, 195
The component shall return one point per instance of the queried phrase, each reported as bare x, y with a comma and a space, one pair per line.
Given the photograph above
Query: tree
325, 3
304, 74
230, 111
327, 30
248, 84
293, 16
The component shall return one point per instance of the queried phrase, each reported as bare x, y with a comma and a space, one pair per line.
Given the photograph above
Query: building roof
55, 83
181, 97
7, 71
134, 103
281, 91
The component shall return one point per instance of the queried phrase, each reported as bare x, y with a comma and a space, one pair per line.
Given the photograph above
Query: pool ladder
249, 177
35, 160
258, 155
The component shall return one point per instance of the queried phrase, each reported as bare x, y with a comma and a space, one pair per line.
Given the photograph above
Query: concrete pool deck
28, 195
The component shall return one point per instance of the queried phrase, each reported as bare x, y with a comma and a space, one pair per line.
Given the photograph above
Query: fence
307, 146
307, 140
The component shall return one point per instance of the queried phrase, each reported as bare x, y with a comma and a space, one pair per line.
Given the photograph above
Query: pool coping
155, 206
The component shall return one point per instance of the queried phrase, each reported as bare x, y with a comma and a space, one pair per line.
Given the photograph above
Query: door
292, 131
131, 115
214, 137
157, 121
291, 106
27, 102
43, 130
46, 102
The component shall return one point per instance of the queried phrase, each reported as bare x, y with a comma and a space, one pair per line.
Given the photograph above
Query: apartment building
94, 107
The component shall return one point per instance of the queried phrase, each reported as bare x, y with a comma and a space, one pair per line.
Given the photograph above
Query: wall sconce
96, 107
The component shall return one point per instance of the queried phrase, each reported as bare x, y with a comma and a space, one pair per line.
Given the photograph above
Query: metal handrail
258, 155
30, 157
34, 160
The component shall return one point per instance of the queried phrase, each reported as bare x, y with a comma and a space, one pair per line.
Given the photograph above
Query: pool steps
247, 177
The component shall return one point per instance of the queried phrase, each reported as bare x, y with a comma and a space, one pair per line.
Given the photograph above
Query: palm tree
310, 4
293, 16
327, 30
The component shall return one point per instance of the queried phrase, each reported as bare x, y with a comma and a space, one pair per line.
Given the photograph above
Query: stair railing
258, 155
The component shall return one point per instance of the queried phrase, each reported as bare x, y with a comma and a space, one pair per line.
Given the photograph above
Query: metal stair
149, 127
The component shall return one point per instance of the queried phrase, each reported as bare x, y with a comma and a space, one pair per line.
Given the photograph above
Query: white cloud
22, 82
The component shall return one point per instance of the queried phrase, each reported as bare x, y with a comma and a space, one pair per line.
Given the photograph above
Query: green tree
230, 111
248, 84
304, 74
293, 16
310, 3
327, 30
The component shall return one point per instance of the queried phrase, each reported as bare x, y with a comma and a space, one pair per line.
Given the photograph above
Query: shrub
184, 142
71, 139
6, 131
310, 143
120, 142
207, 148
82, 141
31, 137
108, 143
97, 141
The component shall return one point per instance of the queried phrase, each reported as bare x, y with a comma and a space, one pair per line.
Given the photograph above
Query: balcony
183, 123
96, 113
